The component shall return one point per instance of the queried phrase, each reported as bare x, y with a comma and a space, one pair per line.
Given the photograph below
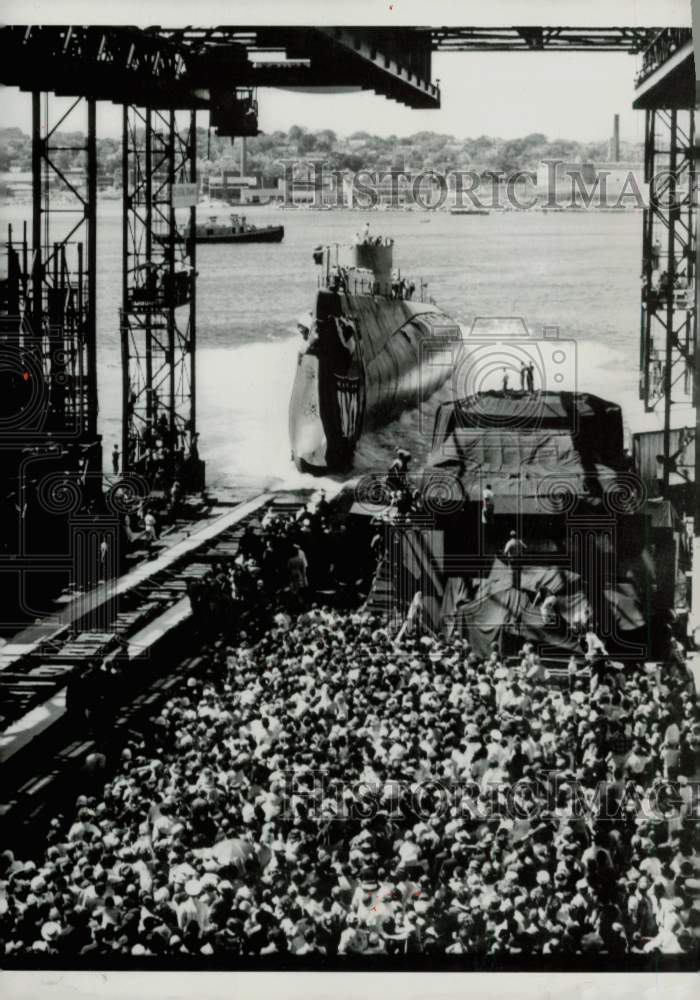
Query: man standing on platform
487, 514
515, 548
530, 374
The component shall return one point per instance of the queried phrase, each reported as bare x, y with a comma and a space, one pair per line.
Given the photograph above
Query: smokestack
244, 165
616, 140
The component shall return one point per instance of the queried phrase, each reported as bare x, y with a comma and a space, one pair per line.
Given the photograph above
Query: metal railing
666, 43
366, 285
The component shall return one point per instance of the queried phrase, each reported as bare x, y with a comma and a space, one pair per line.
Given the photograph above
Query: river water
575, 271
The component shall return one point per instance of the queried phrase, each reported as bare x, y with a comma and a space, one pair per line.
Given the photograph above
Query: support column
127, 187
192, 332
694, 622
37, 194
671, 274
63, 270
170, 263
91, 287
149, 277
158, 307
668, 314
54, 294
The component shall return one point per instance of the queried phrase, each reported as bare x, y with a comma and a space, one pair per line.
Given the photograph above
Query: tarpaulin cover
455, 595
582, 413
515, 441
499, 609
625, 606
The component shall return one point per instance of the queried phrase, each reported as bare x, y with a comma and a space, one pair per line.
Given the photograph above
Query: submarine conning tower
365, 268
377, 258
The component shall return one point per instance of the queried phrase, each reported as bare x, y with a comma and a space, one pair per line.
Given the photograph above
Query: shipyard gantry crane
154, 73
670, 353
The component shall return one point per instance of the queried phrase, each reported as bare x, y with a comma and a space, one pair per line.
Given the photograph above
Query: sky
243, 12
563, 95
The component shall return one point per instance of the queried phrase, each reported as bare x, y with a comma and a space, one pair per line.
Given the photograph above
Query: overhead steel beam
396, 64
172, 68
537, 39
111, 64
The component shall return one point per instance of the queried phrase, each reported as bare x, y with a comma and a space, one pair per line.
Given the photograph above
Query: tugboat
237, 230
372, 350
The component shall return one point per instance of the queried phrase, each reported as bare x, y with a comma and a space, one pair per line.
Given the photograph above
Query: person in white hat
192, 908
497, 746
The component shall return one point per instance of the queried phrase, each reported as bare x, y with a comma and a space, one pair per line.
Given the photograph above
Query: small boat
237, 230
469, 211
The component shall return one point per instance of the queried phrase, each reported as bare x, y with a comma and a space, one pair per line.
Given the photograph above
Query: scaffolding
50, 451
669, 315
158, 292
61, 307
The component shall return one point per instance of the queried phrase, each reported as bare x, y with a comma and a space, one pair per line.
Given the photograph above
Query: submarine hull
370, 358
306, 428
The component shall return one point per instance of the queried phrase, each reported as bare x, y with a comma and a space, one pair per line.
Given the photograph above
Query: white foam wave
243, 398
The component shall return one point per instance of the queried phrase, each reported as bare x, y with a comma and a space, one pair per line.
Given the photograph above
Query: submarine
373, 348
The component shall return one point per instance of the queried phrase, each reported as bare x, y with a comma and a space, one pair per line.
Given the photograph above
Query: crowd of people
333, 790
163, 454
280, 562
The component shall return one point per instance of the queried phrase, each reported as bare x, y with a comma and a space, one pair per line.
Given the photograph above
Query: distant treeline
361, 150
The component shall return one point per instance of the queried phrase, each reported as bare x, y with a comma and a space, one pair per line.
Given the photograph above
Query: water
576, 271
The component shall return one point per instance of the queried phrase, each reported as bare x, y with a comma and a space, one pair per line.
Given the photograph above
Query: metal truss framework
63, 269
185, 67
661, 50
106, 63
538, 39
50, 453
158, 291
669, 315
